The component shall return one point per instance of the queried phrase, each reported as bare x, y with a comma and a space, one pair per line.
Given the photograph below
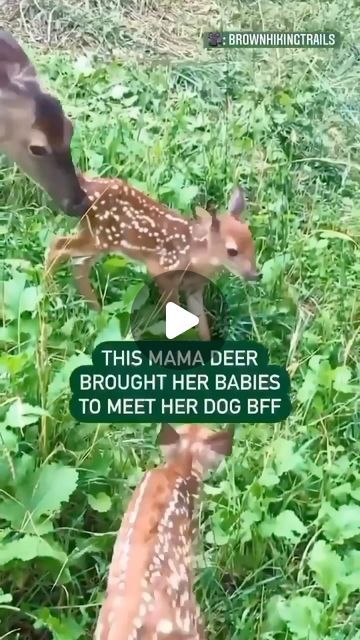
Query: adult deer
124, 220
150, 583
34, 131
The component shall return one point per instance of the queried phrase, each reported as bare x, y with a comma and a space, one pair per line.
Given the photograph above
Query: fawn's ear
202, 214
237, 202
221, 443
167, 435
209, 217
168, 439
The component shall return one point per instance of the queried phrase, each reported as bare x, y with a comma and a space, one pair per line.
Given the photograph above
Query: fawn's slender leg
167, 283
169, 293
195, 303
64, 248
55, 255
81, 267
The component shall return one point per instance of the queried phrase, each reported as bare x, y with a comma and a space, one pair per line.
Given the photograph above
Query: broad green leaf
174, 184
117, 91
61, 628
217, 537
41, 492
247, 520
348, 585
8, 440
285, 525
96, 160
20, 414
325, 374
9, 334
5, 598
343, 523
135, 296
28, 548
83, 65
273, 268
114, 263
111, 333
308, 388
210, 490
303, 615
356, 493
60, 382
352, 560
100, 502
342, 491
269, 478
157, 328
54, 484
17, 298
13, 364
186, 195
30, 299
328, 567
285, 458
342, 377
274, 621
10, 295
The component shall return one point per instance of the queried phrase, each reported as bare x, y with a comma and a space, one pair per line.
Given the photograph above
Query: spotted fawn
149, 592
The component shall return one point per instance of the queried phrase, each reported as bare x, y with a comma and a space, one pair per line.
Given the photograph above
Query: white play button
178, 320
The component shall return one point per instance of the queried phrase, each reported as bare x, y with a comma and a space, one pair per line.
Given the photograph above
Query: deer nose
254, 276
77, 208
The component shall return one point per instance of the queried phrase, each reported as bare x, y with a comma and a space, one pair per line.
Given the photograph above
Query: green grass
281, 522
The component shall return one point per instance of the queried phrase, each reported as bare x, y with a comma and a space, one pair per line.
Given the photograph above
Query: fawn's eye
232, 253
35, 150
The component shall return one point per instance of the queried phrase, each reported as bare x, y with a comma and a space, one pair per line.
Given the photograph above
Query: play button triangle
178, 320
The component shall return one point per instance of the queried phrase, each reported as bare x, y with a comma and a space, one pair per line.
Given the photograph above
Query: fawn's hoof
94, 305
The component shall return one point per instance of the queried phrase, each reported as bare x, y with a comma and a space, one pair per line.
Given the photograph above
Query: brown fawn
124, 220
149, 592
34, 131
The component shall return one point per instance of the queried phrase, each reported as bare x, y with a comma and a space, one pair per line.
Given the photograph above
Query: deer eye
37, 151
232, 253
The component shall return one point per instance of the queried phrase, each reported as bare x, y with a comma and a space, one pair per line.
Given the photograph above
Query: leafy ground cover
281, 522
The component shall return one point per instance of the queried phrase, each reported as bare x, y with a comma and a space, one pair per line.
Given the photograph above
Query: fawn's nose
254, 276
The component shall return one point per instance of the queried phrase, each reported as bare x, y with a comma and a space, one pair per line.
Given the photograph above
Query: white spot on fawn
165, 626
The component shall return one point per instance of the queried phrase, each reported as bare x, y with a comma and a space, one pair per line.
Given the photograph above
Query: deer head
229, 240
205, 447
34, 131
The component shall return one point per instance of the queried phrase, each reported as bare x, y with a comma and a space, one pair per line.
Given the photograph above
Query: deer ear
210, 218
222, 442
18, 76
167, 435
202, 214
237, 202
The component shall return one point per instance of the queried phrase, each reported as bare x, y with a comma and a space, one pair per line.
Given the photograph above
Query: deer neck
191, 471
200, 254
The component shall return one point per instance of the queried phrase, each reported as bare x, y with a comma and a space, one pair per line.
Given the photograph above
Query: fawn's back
125, 220
174, 249
150, 583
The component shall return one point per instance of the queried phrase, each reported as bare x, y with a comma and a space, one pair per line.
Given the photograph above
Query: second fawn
149, 592
124, 220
